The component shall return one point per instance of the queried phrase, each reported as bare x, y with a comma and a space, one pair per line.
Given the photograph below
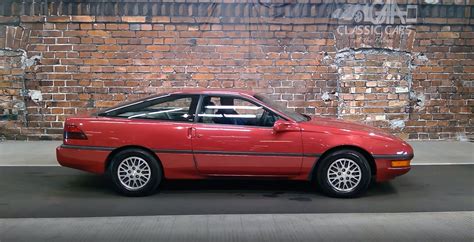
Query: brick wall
67, 58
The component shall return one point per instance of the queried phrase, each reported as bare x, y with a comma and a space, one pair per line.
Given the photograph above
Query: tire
336, 180
140, 173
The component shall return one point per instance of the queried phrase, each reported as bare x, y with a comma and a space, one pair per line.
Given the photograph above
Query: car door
234, 136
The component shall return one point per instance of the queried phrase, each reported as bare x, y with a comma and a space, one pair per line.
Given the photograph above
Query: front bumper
386, 172
82, 159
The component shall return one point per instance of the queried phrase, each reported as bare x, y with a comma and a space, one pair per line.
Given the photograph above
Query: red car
199, 134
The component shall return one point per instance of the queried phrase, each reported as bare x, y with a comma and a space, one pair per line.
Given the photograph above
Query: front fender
320, 142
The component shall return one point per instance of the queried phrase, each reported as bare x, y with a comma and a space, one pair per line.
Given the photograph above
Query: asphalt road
62, 192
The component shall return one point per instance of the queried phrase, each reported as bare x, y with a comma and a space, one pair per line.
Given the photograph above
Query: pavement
41, 192
445, 226
42, 201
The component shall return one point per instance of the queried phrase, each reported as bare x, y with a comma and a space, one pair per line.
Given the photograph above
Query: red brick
79, 18
203, 76
60, 48
133, 19
108, 47
98, 33
158, 48
58, 19
160, 19
96, 62
107, 19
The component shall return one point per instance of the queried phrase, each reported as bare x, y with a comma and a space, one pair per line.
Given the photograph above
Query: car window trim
236, 125
198, 108
153, 120
134, 103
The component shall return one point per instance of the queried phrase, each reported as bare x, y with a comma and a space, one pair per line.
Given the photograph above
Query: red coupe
199, 134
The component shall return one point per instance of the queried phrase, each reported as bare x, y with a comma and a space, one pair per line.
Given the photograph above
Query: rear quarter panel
168, 140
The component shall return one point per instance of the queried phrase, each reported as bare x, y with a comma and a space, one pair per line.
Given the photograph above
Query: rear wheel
135, 172
344, 173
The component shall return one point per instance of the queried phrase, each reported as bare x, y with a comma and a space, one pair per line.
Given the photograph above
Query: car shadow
299, 190
381, 189
269, 188
252, 185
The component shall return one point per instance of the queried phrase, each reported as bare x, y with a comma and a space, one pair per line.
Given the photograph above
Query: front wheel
135, 172
344, 174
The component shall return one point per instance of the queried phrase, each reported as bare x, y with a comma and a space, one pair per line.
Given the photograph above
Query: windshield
277, 106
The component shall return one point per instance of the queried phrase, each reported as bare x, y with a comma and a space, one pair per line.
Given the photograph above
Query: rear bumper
83, 159
386, 172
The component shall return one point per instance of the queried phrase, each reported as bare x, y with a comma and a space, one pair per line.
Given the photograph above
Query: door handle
191, 132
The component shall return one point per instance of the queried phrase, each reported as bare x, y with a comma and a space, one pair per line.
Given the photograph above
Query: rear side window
180, 108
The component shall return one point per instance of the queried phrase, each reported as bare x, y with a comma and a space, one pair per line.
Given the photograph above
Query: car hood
343, 126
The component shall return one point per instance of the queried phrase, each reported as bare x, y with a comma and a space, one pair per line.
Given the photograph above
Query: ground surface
403, 227
37, 192
40, 201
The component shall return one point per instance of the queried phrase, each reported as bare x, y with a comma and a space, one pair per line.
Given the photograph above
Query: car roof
215, 91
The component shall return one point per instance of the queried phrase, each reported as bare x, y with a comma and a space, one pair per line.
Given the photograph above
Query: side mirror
285, 126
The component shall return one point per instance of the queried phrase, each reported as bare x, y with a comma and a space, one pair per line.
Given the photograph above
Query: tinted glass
171, 107
236, 111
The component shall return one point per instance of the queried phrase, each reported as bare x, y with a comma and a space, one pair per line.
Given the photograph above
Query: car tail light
400, 163
73, 132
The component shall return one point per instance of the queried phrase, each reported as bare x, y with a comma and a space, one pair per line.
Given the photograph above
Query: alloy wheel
344, 175
134, 173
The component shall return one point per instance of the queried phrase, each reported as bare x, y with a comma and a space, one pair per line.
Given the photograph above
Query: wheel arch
365, 153
117, 150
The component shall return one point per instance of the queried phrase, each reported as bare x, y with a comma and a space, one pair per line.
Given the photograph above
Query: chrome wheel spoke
142, 179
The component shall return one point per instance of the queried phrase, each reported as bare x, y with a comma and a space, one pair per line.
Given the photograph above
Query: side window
236, 111
173, 108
